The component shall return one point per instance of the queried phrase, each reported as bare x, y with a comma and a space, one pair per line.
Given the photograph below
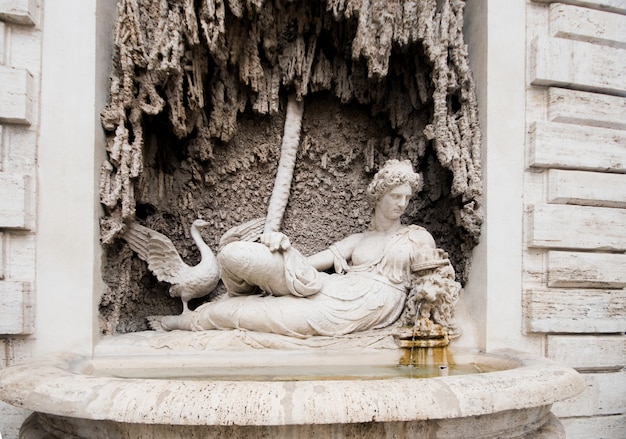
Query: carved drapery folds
197, 100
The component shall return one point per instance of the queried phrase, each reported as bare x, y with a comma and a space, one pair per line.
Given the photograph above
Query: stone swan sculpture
188, 282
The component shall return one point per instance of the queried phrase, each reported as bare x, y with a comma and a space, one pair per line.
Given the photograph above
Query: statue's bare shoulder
421, 235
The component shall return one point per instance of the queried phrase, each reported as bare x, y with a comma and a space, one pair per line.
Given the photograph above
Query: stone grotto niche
196, 115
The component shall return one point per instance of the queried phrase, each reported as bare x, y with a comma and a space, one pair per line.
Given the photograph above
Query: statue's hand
276, 241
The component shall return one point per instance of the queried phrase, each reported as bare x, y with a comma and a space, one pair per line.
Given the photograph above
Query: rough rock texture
196, 114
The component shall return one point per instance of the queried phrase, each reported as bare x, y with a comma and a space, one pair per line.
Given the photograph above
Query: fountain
85, 398
290, 351
290, 362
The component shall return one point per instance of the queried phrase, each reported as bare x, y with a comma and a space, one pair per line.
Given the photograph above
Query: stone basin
81, 396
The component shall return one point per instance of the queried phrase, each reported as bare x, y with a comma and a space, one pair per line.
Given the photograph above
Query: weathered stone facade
20, 62
575, 203
551, 89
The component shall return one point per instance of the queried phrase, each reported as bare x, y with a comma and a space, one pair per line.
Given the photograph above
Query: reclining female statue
273, 288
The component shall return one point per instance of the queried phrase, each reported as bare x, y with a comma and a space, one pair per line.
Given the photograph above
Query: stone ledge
586, 270
585, 108
575, 311
586, 188
618, 6
22, 12
15, 200
2, 255
578, 65
564, 226
582, 24
588, 352
16, 99
567, 146
534, 384
15, 308
604, 395
611, 427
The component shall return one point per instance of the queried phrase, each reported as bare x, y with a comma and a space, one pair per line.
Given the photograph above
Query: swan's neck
205, 250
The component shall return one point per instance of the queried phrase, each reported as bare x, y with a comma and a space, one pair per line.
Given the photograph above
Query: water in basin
295, 373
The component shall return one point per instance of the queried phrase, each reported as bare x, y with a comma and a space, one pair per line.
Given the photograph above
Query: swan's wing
137, 237
164, 260
157, 250
249, 231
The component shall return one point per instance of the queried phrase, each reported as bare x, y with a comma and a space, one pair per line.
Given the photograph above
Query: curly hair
393, 173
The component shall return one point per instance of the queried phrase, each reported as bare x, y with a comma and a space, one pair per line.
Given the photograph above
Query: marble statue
187, 282
359, 283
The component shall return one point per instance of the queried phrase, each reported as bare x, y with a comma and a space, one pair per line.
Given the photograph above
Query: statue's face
394, 202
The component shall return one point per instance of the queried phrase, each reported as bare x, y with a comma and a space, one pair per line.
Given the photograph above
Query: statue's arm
276, 241
326, 259
421, 238
321, 261
279, 242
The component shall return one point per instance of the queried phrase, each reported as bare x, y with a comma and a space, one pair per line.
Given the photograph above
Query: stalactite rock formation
188, 74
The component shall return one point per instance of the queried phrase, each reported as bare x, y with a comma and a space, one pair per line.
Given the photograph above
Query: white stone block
588, 352
567, 146
2, 256
14, 350
20, 255
15, 201
16, 99
2, 44
585, 108
15, 308
575, 311
577, 227
20, 148
605, 5
19, 11
592, 26
586, 270
11, 418
604, 427
578, 65
24, 51
586, 188
604, 395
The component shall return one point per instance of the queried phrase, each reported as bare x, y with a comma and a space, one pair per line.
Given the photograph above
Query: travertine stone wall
20, 60
575, 203
573, 196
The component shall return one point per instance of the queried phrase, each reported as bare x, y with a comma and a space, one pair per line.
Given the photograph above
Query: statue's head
393, 173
